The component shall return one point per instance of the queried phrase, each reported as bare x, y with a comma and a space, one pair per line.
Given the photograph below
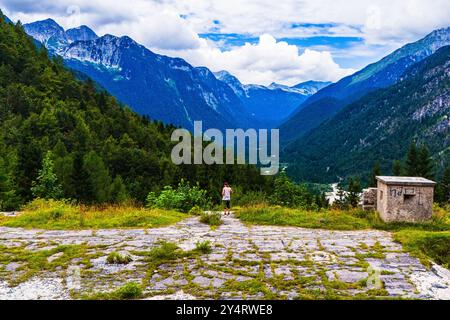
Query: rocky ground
246, 262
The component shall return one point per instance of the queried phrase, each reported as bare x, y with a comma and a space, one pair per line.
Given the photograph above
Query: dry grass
51, 214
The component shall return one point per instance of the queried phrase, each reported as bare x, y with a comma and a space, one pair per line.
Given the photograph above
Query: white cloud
376, 20
162, 30
150, 23
266, 62
382, 24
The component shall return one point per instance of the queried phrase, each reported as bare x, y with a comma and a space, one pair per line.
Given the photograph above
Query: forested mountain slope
380, 126
99, 147
384, 73
164, 88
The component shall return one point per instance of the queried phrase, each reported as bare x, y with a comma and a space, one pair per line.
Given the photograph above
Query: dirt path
246, 263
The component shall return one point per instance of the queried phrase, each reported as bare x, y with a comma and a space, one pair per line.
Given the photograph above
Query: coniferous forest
97, 149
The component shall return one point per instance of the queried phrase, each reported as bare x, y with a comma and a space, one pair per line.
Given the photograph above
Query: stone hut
369, 199
405, 199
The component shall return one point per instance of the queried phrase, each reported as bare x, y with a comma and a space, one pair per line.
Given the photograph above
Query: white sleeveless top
226, 194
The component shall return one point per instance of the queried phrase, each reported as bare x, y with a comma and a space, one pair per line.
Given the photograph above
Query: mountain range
270, 106
326, 103
328, 130
380, 126
169, 89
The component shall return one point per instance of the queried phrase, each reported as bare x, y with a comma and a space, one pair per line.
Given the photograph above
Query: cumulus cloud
162, 30
148, 22
173, 27
267, 61
374, 20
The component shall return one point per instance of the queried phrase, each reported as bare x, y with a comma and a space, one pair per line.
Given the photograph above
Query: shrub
183, 199
196, 211
165, 251
131, 290
117, 258
41, 211
287, 193
250, 198
46, 185
203, 246
213, 219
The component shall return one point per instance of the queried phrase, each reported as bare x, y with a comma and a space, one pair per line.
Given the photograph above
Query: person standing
226, 197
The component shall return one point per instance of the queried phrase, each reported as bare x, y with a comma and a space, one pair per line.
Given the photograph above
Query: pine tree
64, 169
341, 198
8, 197
443, 188
118, 191
97, 176
412, 161
376, 171
324, 201
46, 185
425, 163
397, 168
354, 190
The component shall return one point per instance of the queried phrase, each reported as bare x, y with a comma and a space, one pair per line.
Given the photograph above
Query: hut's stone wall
405, 202
369, 199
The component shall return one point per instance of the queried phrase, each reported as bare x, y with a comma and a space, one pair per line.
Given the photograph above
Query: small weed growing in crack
117, 258
203, 247
130, 290
213, 219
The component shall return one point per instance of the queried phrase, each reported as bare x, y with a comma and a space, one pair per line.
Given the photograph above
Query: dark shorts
227, 203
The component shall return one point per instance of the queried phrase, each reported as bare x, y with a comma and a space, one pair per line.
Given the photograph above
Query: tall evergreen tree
354, 190
425, 163
412, 161
397, 168
64, 169
324, 201
341, 197
443, 188
47, 185
98, 181
118, 191
8, 197
376, 171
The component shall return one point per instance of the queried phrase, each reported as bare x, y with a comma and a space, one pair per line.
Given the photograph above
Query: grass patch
422, 244
203, 247
117, 258
34, 262
165, 252
130, 290
333, 219
213, 219
169, 253
248, 286
329, 219
61, 215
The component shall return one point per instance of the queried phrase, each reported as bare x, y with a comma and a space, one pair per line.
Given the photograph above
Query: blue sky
259, 41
